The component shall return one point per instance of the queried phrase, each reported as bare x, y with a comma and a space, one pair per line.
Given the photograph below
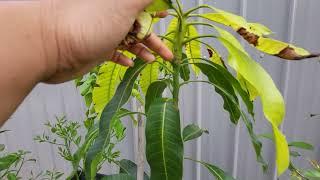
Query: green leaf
272, 100
215, 171
233, 81
294, 154
121, 96
222, 85
159, 5
7, 161
301, 145
185, 70
267, 136
87, 85
154, 92
149, 75
118, 128
164, 145
2, 147
255, 142
118, 177
193, 48
107, 81
12, 176
313, 173
193, 131
129, 167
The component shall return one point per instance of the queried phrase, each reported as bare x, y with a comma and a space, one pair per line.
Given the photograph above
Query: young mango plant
109, 87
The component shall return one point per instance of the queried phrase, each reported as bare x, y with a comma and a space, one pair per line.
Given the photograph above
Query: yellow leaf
193, 48
107, 82
254, 33
263, 85
149, 75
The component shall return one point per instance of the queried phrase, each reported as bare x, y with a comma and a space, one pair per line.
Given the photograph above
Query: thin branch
166, 38
187, 82
163, 65
198, 37
196, 8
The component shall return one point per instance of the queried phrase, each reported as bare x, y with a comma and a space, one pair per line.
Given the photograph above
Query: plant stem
177, 51
141, 146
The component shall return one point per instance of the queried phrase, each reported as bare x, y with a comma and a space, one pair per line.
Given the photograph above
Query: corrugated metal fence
228, 146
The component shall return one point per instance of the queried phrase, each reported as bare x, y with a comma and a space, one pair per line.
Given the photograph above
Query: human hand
86, 33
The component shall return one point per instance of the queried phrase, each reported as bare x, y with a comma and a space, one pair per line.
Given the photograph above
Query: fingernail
131, 63
150, 57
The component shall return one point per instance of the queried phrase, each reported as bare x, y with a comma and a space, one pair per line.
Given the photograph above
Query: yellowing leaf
272, 100
107, 82
149, 75
254, 33
260, 29
159, 5
193, 48
215, 57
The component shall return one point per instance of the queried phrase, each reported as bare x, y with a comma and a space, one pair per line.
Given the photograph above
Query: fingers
154, 43
161, 14
141, 51
121, 59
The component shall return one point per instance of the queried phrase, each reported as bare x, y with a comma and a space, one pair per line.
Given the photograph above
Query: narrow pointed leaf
215, 77
215, 68
272, 100
257, 144
193, 48
154, 92
255, 34
218, 173
129, 167
121, 96
164, 145
7, 161
185, 70
149, 75
118, 177
193, 131
107, 82
301, 145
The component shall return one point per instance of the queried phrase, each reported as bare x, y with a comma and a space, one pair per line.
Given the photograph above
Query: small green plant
109, 86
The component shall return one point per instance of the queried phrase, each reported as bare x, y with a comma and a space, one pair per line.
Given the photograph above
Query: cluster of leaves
114, 85
72, 145
12, 163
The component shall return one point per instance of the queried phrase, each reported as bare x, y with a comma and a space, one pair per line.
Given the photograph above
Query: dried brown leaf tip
274, 47
290, 54
250, 37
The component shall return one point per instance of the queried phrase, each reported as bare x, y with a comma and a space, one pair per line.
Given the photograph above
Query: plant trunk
141, 146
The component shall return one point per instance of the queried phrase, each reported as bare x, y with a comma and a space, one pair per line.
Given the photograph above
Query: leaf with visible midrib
118, 177
149, 75
107, 81
7, 161
214, 170
193, 48
155, 91
164, 145
217, 70
121, 96
185, 70
217, 79
129, 167
192, 131
272, 100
